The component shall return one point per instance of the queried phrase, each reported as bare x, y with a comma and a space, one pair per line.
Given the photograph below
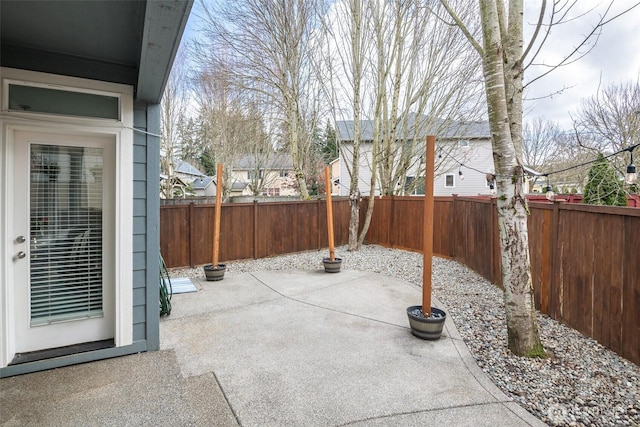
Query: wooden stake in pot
427, 241
216, 229
327, 186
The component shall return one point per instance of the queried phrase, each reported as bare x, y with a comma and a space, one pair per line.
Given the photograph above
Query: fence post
255, 229
191, 233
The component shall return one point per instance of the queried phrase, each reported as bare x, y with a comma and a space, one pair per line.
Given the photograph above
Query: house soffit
130, 42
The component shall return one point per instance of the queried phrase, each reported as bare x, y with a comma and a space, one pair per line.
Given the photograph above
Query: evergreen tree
329, 148
208, 162
604, 185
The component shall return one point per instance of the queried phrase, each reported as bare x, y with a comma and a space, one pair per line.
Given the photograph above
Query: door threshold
50, 353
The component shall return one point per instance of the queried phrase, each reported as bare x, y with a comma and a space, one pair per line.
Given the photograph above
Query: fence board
382, 223
442, 221
630, 335
540, 251
407, 216
174, 235
607, 276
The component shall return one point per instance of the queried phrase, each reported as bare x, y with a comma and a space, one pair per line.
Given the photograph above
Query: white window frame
122, 131
463, 143
453, 178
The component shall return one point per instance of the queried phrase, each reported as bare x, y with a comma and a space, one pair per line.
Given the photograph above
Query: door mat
182, 285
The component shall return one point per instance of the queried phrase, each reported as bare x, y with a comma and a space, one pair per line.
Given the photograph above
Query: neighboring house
535, 182
204, 186
186, 180
79, 166
335, 176
463, 167
186, 171
271, 175
177, 187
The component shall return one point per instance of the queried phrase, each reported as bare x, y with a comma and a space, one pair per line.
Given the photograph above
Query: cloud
614, 59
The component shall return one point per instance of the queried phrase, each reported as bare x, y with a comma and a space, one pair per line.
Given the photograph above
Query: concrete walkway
295, 348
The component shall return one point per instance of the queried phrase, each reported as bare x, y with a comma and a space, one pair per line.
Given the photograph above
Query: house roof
239, 185
275, 161
131, 42
419, 126
202, 183
530, 171
466, 130
186, 168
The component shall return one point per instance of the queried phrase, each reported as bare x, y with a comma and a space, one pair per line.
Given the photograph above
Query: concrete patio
276, 349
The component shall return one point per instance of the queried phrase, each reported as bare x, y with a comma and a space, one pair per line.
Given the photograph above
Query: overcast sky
614, 60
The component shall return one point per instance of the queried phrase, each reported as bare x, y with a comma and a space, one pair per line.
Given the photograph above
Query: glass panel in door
66, 233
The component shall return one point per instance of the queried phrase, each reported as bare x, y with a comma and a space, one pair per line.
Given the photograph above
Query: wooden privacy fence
248, 230
585, 260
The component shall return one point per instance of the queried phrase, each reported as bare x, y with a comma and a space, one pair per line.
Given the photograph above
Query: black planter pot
214, 274
426, 328
332, 266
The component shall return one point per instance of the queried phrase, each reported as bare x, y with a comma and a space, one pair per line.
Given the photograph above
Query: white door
63, 247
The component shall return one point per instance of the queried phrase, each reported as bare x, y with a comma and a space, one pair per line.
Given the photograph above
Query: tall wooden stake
327, 186
427, 240
216, 229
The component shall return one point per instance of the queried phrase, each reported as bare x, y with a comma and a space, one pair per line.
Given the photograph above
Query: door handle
20, 239
21, 255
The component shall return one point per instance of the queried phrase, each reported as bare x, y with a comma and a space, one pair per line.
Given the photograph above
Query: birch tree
541, 143
403, 72
342, 69
609, 121
430, 82
268, 44
232, 129
173, 115
504, 56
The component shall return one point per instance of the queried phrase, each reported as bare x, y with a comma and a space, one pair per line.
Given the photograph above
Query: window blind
66, 232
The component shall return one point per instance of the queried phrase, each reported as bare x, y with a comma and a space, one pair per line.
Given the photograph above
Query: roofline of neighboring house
453, 138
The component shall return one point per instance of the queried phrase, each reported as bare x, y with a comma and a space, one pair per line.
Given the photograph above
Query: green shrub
604, 185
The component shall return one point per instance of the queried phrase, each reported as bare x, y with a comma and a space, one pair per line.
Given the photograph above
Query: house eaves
186, 168
132, 42
419, 127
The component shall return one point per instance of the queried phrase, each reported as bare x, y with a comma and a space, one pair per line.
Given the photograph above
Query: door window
66, 233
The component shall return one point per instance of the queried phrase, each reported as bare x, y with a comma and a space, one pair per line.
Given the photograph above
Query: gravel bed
581, 384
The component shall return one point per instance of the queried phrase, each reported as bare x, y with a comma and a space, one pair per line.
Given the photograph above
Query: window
66, 208
463, 143
35, 99
449, 180
253, 175
414, 186
283, 174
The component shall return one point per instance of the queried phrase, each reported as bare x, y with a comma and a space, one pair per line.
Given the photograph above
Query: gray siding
146, 240
153, 227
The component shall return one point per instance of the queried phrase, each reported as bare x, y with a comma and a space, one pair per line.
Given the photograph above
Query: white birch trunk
357, 70
503, 83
